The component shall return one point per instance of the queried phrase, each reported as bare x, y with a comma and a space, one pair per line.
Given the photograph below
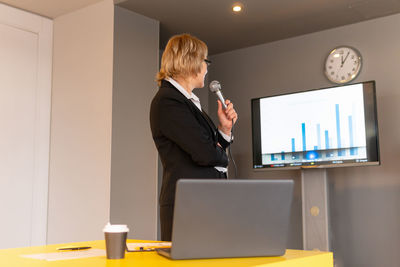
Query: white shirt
196, 101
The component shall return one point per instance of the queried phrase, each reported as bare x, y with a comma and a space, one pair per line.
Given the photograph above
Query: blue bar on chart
339, 143
328, 154
353, 150
319, 136
303, 133
293, 148
293, 145
326, 139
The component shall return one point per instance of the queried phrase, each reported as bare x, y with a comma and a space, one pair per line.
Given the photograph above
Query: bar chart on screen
323, 126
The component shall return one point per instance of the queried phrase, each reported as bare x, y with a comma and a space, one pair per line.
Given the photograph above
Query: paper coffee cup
115, 235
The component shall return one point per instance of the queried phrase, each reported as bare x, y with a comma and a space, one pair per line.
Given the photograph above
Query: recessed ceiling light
237, 8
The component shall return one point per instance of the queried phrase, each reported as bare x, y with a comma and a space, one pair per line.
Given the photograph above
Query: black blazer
186, 140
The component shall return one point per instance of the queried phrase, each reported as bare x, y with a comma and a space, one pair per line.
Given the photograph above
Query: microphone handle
221, 98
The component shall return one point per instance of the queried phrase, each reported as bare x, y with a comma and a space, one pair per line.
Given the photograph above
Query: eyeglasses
208, 62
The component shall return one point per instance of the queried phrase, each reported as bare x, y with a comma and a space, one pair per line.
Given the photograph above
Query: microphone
215, 87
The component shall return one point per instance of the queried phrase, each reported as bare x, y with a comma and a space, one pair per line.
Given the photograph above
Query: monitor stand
315, 209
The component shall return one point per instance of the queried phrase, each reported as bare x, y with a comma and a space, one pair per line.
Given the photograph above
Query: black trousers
167, 217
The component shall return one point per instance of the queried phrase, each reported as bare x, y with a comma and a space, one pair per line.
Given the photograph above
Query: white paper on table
67, 255
131, 247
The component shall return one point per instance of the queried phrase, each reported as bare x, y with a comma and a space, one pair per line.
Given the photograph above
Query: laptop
230, 218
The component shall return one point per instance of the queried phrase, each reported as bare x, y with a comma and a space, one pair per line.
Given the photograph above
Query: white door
25, 93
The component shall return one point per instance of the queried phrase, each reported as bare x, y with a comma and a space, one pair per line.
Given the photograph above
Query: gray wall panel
134, 156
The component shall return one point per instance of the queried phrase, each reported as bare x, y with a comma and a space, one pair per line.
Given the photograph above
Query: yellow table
292, 258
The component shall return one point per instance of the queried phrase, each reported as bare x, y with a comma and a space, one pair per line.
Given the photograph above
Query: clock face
343, 64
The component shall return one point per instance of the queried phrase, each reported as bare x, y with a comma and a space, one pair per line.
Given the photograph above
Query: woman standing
188, 142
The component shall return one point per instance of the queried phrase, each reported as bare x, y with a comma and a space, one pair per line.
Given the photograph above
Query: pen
74, 248
152, 247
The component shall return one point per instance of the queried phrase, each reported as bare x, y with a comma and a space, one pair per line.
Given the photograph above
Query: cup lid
115, 228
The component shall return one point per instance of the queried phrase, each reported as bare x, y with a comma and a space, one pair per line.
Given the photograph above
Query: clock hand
345, 58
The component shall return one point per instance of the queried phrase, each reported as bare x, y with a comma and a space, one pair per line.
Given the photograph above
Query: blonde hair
183, 56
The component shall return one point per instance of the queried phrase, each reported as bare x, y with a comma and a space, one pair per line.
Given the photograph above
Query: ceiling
49, 8
261, 21
213, 21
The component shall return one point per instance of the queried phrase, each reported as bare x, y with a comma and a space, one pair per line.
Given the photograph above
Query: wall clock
343, 64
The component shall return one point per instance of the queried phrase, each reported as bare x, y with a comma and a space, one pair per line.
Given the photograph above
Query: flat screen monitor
328, 127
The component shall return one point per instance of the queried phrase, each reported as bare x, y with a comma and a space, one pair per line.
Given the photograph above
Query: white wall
25, 48
364, 201
80, 150
134, 194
